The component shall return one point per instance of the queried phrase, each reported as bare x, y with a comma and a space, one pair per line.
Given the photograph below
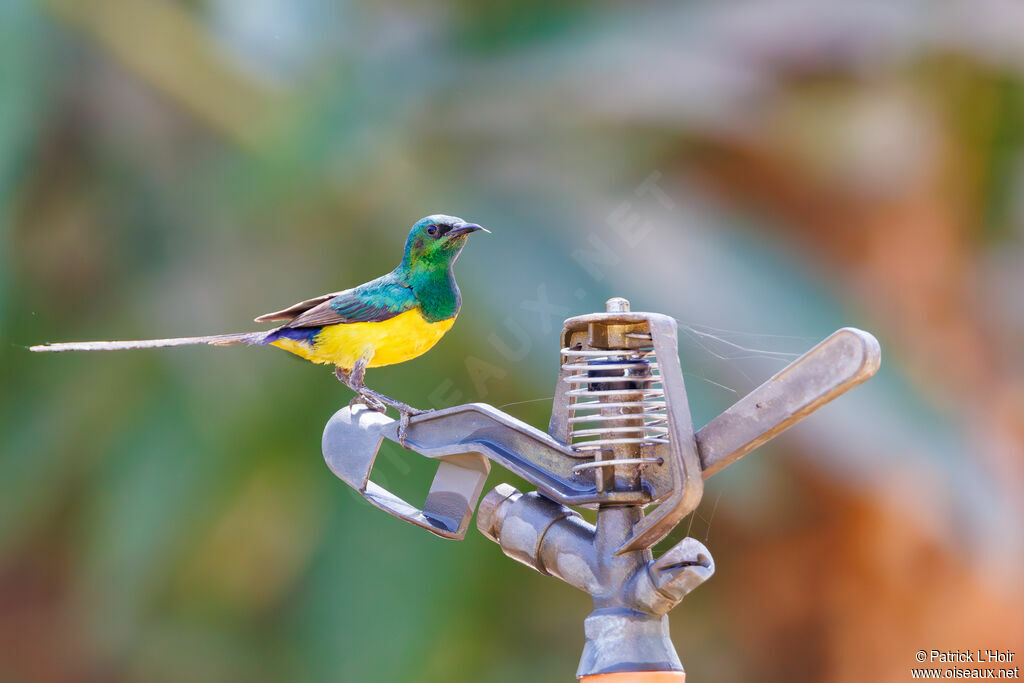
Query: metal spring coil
590, 407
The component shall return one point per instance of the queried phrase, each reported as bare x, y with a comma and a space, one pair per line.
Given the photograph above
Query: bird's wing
296, 309
372, 302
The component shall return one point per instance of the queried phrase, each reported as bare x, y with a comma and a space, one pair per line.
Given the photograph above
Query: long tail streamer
215, 340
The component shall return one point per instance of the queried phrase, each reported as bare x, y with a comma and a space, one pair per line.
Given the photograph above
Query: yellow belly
391, 341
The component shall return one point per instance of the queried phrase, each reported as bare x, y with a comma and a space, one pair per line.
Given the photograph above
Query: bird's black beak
465, 229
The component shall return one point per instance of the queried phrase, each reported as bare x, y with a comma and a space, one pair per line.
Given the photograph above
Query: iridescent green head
436, 241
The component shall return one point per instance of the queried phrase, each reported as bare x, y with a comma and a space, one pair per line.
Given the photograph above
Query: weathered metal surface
671, 577
515, 445
676, 483
682, 464
619, 639
632, 592
626, 462
839, 363
845, 359
350, 444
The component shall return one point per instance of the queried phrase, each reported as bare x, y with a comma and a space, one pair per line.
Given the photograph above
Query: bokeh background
766, 172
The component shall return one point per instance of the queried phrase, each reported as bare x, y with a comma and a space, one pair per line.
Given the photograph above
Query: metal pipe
633, 593
541, 534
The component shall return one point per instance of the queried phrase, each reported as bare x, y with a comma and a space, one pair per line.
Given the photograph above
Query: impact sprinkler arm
621, 441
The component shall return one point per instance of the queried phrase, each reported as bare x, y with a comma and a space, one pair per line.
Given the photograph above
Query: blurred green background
766, 172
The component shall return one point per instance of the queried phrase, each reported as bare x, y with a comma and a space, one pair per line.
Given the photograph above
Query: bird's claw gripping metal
369, 402
620, 440
403, 429
375, 400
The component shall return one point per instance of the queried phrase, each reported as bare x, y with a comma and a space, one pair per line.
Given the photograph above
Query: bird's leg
354, 382
376, 400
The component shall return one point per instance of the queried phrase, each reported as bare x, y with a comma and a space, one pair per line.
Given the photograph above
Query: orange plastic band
638, 677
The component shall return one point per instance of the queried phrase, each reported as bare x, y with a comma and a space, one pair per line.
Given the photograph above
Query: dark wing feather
373, 302
330, 313
296, 309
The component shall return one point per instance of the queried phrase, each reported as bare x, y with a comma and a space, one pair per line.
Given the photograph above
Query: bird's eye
432, 231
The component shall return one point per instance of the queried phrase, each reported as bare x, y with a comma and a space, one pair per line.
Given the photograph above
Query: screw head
616, 305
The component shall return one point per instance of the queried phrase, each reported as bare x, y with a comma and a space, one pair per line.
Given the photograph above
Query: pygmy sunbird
390, 320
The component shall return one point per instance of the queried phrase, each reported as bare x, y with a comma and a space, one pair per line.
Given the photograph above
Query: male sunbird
390, 320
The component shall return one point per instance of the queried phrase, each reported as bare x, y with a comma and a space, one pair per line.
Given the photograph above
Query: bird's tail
215, 340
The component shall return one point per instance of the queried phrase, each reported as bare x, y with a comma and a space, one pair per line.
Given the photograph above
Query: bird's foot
403, 423
405, 412
388, 401
375, 400
403, 428
368, 401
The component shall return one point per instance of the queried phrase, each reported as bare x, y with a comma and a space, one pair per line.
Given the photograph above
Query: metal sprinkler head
620, 440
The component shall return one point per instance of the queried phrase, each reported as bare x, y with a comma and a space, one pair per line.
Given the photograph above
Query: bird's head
435, 241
